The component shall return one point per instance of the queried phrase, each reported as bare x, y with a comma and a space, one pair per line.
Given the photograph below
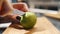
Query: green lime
28, 20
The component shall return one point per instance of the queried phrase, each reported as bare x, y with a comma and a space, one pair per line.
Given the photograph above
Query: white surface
43, 11
4, 25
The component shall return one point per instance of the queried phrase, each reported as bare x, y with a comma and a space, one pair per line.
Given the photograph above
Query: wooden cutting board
56, 16
43, 26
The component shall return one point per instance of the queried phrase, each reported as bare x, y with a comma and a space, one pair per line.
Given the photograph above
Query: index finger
21, 6
1, 1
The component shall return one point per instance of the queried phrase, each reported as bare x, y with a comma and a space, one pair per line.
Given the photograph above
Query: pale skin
8, 8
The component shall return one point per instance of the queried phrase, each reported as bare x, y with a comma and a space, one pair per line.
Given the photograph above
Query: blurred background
52, 6
41, 4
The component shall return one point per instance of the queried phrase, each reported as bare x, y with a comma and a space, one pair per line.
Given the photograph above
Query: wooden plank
56, 16
43, 26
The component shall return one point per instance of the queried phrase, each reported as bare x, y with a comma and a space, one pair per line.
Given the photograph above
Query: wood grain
43, 26
56, 16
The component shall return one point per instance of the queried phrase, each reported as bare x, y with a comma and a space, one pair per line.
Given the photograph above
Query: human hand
21, 6
5, 7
